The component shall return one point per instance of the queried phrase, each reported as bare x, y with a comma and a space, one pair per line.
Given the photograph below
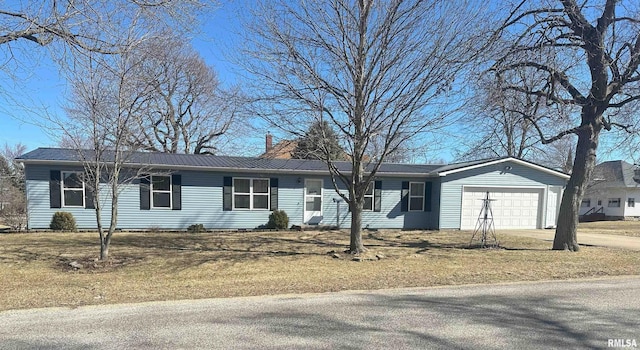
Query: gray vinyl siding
202, 204
488, 176
390, 215
39, 213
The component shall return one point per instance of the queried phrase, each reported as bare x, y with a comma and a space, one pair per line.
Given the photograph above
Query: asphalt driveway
592, 239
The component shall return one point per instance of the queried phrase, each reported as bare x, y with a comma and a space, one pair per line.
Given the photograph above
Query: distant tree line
13, 211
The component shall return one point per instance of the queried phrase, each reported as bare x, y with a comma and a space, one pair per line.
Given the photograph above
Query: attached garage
524, 195
512, 208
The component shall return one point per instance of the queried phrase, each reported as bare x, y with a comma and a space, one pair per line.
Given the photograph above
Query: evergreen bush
196, 228
63, 221
278, 220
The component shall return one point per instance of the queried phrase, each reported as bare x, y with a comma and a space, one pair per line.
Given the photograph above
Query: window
260, 194
586, 203
599, 201
631, 202
72, 189
161, 192
368, 198
250, 193
614, 202
416, 196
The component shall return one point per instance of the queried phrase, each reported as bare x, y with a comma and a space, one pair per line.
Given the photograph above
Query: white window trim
612, 206
410, 196
152, 191
586, 201
63, 189
251, 194
631, 202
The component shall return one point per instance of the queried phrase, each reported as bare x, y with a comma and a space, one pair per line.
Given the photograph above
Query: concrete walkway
593, 239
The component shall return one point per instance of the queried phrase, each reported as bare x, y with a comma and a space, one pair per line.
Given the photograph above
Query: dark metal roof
615, 173
244, 164
454, 166
209, 162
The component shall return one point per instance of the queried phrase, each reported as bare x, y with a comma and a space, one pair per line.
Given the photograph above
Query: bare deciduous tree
107, 97
84, 36
187, 110
61, 30
558, 155
10, 153
372, 69
13, 209
87, 25
500, 124
589, 52
13, 206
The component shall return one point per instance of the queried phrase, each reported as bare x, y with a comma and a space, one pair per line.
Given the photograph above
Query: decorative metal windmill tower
485, 228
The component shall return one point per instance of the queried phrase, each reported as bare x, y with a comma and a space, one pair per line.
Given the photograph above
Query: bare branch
559, 76
370, 68
597, 65
186, 111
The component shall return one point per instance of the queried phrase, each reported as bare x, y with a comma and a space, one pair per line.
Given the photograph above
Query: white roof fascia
509, 159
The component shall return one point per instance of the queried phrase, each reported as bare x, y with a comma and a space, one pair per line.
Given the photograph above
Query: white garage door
512, 207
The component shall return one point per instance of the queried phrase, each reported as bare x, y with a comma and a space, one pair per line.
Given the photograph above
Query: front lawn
623, 228
35, 270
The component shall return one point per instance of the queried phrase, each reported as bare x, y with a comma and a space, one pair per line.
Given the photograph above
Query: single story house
613, 191
223, 192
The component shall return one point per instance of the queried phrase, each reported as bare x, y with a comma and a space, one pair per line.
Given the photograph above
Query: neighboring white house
614, 191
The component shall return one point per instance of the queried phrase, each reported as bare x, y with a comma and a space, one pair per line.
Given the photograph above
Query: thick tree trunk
356, 192
356, 246
585, 161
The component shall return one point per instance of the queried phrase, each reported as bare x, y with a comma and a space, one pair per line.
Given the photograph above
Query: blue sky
38, 89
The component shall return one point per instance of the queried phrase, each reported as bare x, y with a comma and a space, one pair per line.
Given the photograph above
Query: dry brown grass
624, 228
163, 266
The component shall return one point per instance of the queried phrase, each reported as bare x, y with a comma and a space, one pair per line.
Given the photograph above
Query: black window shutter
227, 194
377, 196
145, 182
404, 199
274, 193
176, 192
427, 196
55, 193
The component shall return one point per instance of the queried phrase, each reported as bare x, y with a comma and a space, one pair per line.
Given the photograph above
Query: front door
313, 201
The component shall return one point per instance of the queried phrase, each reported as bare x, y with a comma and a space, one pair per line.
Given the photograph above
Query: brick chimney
268, 141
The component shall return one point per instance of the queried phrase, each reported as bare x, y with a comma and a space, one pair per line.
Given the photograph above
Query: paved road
543, 315
595, 239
